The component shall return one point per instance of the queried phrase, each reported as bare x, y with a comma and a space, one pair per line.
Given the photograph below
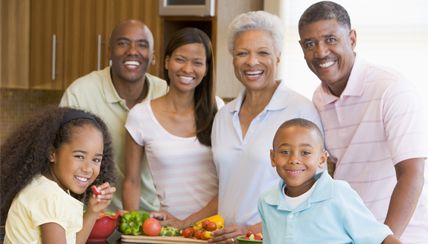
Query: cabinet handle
53, 56
99, 52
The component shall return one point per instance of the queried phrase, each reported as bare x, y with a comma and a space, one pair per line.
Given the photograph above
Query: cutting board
159, 239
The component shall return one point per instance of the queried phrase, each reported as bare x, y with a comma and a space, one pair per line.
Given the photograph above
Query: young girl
174, 132
311, 207
47, 167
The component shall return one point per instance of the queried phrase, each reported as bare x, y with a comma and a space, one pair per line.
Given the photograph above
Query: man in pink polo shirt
373, 121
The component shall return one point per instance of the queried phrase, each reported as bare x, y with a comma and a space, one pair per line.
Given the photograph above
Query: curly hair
25, 153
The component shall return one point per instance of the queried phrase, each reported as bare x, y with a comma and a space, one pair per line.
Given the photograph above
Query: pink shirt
376, 123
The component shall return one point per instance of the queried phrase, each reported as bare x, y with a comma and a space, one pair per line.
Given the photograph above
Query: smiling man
373, 120
110, 93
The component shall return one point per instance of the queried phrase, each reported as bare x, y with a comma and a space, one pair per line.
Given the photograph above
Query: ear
353, 38
52, 156
272, 158
166, 62
153, 61
323, 159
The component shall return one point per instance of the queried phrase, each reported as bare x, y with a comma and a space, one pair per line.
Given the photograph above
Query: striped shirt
376, 123
183, 170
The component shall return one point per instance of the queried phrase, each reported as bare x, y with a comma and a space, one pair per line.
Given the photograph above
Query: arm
209, 210
410, 180
132, 181
52, 233
96, 204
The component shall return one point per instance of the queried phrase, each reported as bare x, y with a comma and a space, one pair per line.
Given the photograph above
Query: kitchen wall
19, 105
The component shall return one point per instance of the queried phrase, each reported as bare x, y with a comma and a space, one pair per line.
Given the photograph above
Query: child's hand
102, 197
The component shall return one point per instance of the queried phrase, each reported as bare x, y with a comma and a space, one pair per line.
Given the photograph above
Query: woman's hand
167, 219
228, 234
98, 202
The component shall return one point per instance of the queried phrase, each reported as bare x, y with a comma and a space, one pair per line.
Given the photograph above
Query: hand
98, 203
167, 219
228, 234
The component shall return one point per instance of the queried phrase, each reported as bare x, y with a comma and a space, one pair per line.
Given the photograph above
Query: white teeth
82, 178
132, 63
253, 72
186, 79
327, 64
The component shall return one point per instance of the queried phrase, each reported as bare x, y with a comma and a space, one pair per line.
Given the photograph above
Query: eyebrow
85, 152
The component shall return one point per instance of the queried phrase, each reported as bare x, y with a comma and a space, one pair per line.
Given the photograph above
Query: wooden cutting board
159, 239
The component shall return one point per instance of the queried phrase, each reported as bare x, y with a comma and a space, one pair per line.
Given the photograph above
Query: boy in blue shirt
309, 206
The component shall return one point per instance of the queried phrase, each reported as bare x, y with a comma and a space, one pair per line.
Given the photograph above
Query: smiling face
328, 49
76, 164
296, 155
186, 66
131, 51
255, 60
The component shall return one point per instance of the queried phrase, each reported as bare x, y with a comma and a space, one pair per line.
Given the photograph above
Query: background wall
227, 85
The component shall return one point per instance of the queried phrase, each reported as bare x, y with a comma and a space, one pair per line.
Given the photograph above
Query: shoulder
93, 80
140, 109
157, 86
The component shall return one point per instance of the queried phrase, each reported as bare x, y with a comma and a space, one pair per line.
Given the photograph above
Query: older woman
243, 130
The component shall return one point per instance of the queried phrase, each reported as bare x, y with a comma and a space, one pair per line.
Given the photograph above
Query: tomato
198, 234
152, 227
95, 190
188, 232
210, 226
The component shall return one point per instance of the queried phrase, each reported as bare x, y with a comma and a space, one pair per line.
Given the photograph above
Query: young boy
311, 207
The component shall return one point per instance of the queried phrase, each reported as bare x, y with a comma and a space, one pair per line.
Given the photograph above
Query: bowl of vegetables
105, 225
250, 238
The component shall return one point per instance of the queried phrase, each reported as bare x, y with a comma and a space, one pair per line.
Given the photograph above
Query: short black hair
304, 123
325, 10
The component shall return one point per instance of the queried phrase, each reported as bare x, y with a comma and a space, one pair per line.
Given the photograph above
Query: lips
81, 180
186, 79
253, 74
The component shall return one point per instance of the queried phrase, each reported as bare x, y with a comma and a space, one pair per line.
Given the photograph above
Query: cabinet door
46, 44
84, 38
15, 44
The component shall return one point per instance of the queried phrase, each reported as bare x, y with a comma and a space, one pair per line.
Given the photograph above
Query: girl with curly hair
48, 167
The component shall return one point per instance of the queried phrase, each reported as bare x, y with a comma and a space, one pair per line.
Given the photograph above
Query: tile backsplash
18, 105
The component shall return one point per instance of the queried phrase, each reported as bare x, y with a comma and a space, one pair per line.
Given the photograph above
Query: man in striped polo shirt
373, 120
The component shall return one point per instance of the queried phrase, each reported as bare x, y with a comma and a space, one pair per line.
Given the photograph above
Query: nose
87, 167
132, 48
252, 59
187, 67
294, 159
321, 50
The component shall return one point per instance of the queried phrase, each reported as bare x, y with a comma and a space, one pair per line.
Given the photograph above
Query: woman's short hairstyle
256, 20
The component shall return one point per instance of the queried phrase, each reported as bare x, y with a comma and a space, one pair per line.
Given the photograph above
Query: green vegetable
169, 231
131, 222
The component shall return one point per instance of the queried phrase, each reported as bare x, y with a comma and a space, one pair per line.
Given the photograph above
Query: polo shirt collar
275, 103
323, 191
110, 92
354, 86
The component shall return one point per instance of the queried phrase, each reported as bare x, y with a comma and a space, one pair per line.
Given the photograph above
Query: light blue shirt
334, 213
243, 164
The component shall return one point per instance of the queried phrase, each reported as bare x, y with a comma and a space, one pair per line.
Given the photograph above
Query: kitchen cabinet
65, 39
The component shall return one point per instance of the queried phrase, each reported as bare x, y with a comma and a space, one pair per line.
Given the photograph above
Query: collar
109, 90
323, 191
275, 103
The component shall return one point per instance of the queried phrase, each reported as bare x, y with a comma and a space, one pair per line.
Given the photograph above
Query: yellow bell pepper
217, 219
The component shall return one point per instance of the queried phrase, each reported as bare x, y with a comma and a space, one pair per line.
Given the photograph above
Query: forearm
131, 194
405, 197
208, 210
89, 219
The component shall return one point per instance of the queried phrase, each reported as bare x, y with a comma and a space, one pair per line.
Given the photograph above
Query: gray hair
256, 20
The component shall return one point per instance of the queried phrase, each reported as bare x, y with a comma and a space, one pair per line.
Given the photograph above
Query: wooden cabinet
63, 39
